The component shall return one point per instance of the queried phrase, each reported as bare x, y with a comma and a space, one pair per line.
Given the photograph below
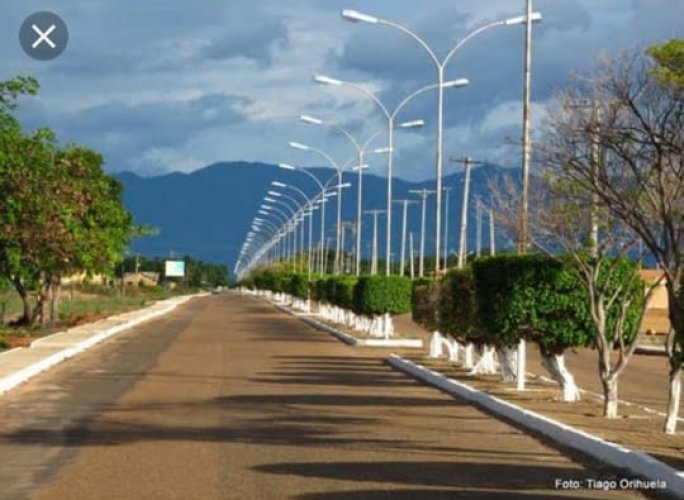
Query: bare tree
562, 220
638, 181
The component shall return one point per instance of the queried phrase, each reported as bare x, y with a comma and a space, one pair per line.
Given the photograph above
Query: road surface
228, 398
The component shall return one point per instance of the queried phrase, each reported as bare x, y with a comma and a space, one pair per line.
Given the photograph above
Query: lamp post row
440, 65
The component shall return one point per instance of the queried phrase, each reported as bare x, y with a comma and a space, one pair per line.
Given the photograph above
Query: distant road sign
174, 269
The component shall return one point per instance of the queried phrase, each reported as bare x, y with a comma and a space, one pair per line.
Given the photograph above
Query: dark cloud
150, 81
254, 40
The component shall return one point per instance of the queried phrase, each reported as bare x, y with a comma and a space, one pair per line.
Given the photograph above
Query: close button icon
43, 35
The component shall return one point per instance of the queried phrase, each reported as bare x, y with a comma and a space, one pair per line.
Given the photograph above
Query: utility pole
347, 226
478, 223
447, 191
463, 244
423, 193
405, 203
527, 124
412, 255
374, 250
492, 248
526, 154
592, 105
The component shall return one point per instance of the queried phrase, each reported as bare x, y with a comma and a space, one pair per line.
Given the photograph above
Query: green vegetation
62, 214
458, 307
198, 273
425, 294
81, 304
382, 294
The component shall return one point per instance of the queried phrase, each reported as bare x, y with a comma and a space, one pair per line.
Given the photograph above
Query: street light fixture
361, 150
298, 145
338, 168
391, 116
440, 64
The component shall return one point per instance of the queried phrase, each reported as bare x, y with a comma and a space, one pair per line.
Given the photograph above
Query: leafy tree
623, 162
60, 214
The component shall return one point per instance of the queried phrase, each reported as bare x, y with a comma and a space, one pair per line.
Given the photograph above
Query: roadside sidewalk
20, 364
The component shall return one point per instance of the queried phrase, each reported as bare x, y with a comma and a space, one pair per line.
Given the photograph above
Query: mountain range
207, 213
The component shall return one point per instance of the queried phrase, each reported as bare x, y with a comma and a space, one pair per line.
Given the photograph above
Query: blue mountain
207, 213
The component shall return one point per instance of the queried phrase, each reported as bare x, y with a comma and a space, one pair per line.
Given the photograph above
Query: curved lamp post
391, 116
440, 64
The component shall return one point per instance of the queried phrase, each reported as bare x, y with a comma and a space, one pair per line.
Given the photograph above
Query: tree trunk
673, 401
508, 363
468, 357
555, 365
55, 293
486, 365
27, 314
610, 396
436, 348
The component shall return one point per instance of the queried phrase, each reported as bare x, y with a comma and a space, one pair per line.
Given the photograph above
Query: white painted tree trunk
507, 363
521, 368
468, 357
436, 347
610, 398
673, 401
486, 365
454, 347
555, 364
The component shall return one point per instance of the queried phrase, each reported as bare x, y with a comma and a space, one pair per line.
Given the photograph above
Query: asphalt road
228, 398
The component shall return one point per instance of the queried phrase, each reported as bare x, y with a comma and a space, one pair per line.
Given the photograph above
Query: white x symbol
43, 37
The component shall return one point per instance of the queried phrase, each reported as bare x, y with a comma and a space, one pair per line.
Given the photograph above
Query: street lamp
356, 16
423, 193
338, 168
361, 150
391, 116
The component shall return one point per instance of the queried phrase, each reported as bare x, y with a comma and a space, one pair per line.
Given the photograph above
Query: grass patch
78, 305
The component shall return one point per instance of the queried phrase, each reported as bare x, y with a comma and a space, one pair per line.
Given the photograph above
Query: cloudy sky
173, 85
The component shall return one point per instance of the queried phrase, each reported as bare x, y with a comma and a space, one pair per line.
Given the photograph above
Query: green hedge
458, 314
425, 294
544, 300
343, 291
382, 294
298, 286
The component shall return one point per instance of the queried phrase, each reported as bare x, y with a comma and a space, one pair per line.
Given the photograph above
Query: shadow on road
431, 494
491, 476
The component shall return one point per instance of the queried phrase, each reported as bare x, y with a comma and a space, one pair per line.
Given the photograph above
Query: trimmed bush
425, 293
458, 314
343, 291
544, 300
374, 295
298, 286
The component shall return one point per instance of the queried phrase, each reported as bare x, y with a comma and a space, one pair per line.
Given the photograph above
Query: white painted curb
410, 343
637, 462
21, 376
350, 339
4, 353
344, 337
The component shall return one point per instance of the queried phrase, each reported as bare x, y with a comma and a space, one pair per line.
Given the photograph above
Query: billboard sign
174, 269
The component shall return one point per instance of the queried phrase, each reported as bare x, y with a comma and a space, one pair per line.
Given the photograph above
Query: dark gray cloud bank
170, 85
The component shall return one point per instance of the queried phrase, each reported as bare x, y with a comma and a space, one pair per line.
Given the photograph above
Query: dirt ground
644, 382
229, 398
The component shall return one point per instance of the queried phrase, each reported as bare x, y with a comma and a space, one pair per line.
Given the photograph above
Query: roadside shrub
458, 314
425, 294
343, 291
318, 290
298, 286
544, 300
382, 294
